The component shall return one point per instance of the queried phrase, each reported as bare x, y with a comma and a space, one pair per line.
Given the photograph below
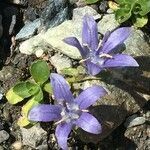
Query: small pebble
133, 121
17, 145
3, 136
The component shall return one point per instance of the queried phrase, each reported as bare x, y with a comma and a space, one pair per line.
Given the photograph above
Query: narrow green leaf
40, 71
38, 96
91, 1
48, 88
70, 71
23, 120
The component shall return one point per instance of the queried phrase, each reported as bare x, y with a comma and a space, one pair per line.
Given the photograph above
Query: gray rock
107, 23
3, 136
9, 76
34, 136
73, 1
1, 147
55, 13
1, 95
134, 121
54, 36
6, 73
28, 30
78, 13
136, 44
18, 2
60, 62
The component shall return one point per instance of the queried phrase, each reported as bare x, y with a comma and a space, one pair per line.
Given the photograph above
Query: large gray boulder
52, 38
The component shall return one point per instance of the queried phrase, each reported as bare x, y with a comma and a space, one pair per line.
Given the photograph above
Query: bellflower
98, 56
68, 111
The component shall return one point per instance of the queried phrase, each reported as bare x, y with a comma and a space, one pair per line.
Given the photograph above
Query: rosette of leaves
136, 10
30, 90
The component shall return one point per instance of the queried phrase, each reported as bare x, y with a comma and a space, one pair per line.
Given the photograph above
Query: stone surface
134, 121
18, 2
28, 30
1, 95
54, 36
60, 62
1, 147
17, 145
9, 76
3, 136
137, 44
34, 136
6, 73
140, 136
107, 23
55, 13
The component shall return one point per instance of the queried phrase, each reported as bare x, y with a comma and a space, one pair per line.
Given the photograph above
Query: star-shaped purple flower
98, 56
68, 111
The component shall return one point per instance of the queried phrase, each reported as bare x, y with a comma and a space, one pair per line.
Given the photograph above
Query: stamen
86, 45
105, 55
85, 110
99, 45
83, 60
60, 121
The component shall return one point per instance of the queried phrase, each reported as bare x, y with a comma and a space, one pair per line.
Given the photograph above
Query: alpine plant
69, 111
99, 56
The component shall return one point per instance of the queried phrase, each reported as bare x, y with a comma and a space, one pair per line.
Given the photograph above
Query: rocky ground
30, 30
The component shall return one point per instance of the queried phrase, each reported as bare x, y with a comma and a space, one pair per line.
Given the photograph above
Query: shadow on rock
109, 116
135, 81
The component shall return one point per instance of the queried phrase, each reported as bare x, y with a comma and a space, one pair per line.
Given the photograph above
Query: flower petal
89, 32
121, 60
92, 68
45, 113
61, 89
89, 123
90, 96
62, 132
73, 41
116, 38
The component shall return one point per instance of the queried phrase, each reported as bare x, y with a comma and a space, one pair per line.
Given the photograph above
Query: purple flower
98, 56
68, 111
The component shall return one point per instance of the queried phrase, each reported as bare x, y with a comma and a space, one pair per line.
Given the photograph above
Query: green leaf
122, 15
38, 96
145, 7
48, 88
23, 120
140, 21
91, 1
25, 89
12, 97
40, 71
70, 71
21, 91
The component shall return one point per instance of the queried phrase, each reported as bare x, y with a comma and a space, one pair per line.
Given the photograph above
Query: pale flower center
71, 112
94, 58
